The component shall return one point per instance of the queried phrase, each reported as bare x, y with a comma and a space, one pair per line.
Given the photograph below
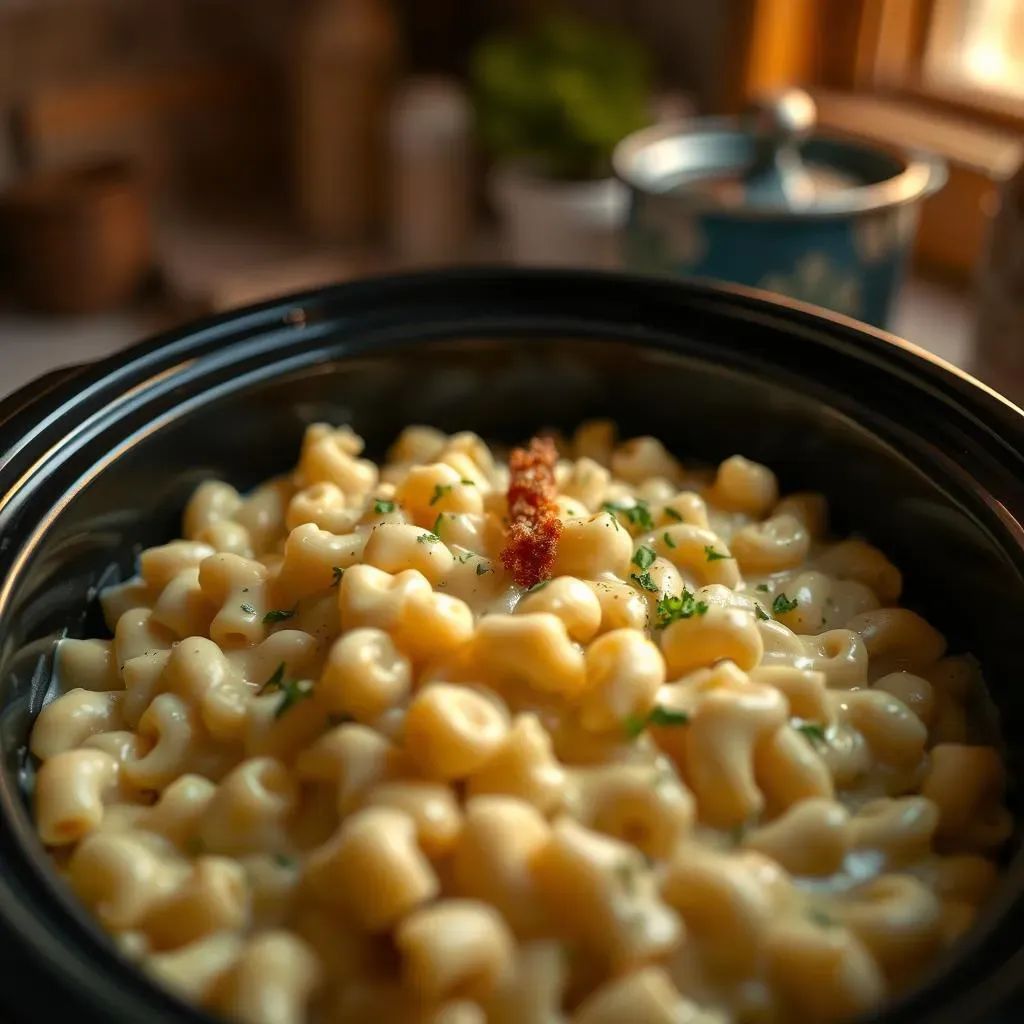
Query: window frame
862, 59
892, 51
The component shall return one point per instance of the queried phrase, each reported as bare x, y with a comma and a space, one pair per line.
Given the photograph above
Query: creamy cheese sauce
335, 766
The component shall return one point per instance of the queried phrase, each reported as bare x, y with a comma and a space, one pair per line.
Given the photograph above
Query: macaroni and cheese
336, 767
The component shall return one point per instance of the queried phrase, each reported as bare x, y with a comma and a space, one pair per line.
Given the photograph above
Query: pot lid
772, 161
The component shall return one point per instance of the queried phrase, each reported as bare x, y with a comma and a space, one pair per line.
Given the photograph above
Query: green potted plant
551, 102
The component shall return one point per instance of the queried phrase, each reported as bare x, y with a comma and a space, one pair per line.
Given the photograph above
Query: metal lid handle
780, 123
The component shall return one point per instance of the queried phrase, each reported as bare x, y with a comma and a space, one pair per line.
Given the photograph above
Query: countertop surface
930, 316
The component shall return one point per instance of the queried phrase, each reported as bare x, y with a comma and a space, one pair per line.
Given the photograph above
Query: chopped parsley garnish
640, 515
644, 558
783, 604
294, 691
282, 860
820, 918
635, 922
537, 586
672, 608
436, 528
625, 871
248, 609
428, 538
738, 832
337, 572
763, 587
712, 555
382, 506
636, 515
667, 538
814, 732
645, 581
665, 717
274, 682
481, 569
761, 613
468, 483
440, 490
634, 725
673, 514
279, 615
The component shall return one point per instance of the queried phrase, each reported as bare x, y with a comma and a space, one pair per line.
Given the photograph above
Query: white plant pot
558, 223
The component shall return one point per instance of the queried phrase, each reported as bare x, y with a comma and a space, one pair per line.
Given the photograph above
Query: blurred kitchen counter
33, 344
930, 315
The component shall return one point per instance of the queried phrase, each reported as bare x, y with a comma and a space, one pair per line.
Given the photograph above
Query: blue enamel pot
816, 217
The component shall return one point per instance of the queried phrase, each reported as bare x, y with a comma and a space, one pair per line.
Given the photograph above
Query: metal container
100, 460
769, 201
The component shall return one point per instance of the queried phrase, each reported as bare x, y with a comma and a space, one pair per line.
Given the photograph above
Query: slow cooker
924, 461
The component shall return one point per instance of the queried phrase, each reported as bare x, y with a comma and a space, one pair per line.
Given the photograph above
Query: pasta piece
534, 990
71, 790
433, 807
364, 676
530, 650
493, 860
123, 877
645, 997
602, 890
744, 486
70, 720
624, 671
451, 731
812, 838
455, 948
572, 601
523, 766
373, 870
195, 972
271, 982
729, 903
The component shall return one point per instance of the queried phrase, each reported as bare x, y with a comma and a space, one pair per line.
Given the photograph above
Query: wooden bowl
78, 239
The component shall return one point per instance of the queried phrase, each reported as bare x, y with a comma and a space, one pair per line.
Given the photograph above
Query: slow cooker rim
328, 307
269, 316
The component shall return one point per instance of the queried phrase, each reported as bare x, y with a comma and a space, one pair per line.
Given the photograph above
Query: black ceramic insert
923, 461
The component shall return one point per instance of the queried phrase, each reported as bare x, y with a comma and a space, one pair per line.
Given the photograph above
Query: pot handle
781, 122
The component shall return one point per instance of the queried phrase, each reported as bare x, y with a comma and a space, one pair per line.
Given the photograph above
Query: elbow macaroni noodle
334, 767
